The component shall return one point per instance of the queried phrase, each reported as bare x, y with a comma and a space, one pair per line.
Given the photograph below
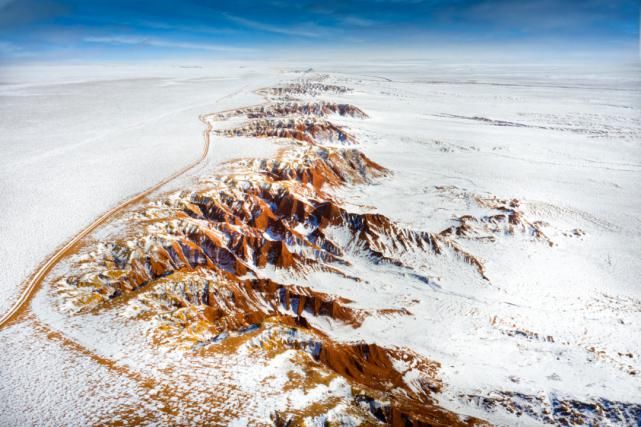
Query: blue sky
119, 29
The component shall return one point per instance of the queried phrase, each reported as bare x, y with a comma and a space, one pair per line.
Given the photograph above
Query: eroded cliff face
208, 265
303, 88
284, 108
313, 131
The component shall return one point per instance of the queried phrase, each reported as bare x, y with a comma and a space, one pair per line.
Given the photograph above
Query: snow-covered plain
558, 321
565, 142
76, 141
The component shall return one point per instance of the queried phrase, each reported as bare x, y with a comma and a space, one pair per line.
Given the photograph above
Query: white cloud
308, 30
357, 21
133, 40
5, 3
9, 49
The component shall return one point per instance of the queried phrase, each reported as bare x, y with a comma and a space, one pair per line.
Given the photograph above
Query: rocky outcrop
304, 88
508, 219
304, 129
284, 109
553, 409
212, 261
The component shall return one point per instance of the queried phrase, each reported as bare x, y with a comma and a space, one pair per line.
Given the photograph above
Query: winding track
19, 309
32, 284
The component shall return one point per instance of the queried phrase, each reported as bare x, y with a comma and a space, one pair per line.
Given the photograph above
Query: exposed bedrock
304, 129
213, 261
279, 216
308, 88
556, 410
283, 109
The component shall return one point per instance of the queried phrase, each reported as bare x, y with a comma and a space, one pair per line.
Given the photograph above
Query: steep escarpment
304, 88
314, 131
221, 265
283, 109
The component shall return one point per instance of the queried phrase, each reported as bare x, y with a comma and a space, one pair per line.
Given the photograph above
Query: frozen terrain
499, 273
553, 322
78, 140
